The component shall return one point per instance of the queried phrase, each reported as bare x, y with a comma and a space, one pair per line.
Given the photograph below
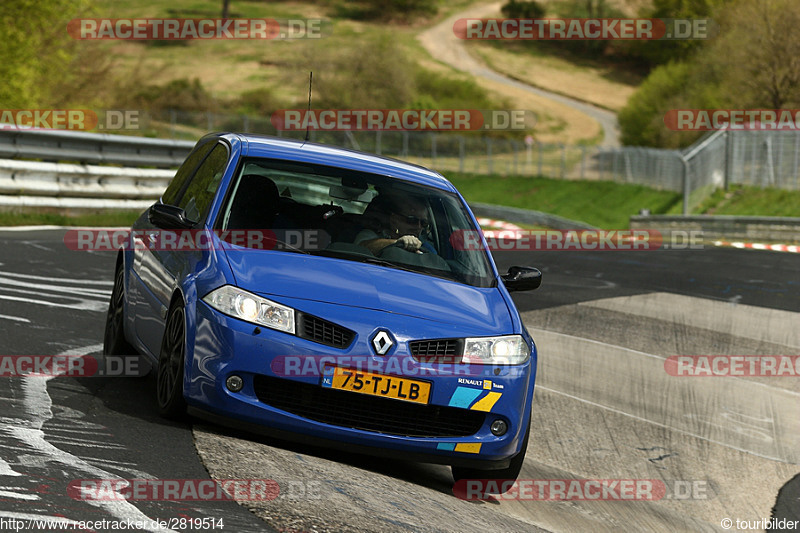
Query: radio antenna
308, 123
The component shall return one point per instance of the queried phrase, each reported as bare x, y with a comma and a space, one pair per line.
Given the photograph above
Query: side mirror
168, 217
521, 278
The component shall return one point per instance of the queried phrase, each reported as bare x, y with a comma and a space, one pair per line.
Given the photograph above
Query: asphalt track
605, 407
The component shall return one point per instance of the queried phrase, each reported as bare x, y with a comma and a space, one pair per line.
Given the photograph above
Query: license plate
409, 390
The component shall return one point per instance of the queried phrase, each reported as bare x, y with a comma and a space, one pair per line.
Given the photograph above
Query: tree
40, 64
34, 49
757, 57
754, 63
641, 120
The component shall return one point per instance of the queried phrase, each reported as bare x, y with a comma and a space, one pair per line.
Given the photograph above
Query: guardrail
63, 185
54, 145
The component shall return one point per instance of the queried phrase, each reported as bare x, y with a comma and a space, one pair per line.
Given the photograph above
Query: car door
164, 258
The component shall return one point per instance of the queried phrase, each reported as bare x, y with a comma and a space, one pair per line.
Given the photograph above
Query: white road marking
85, 305
34, 244
645, 354
752, 322
44, 518
37, 405
6, 470
659, 424
15, 318
40, 287
40, 290
58, 280
18, 495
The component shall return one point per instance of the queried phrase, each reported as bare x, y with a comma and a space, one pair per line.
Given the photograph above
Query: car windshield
357, 216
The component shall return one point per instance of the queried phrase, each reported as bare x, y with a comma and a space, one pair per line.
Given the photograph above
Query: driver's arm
376, 245
406, 242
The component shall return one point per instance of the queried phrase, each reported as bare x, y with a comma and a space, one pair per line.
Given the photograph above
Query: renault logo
382, 342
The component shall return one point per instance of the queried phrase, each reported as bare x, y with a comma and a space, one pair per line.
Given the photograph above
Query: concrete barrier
726, 227
526, 216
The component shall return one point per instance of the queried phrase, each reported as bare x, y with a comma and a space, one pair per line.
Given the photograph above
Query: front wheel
169, 378
510, 473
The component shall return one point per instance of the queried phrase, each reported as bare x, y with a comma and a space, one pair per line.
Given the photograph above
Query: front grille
318, 330
370, 413
437, 350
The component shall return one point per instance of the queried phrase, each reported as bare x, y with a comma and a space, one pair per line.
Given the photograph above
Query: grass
594, 83
106, 218
229, 69
752, 201
603, 83
600, 203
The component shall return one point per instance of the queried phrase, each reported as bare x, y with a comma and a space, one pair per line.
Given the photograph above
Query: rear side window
202, 187
185, 172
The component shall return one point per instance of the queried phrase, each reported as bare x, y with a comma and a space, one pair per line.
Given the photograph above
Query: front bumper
223, 346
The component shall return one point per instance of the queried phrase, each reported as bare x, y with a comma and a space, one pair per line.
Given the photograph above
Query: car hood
368, 286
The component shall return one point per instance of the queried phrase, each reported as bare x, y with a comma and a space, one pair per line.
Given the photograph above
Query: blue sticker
464, 396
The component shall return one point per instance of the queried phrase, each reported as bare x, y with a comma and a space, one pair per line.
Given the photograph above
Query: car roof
254, 145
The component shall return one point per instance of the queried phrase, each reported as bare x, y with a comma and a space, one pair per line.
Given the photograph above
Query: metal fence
720, 159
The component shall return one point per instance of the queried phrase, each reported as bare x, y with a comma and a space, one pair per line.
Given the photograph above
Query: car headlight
246, 306
506, 350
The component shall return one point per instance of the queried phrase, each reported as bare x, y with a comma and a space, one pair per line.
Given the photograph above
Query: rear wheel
511, 472
114, 342
169, 378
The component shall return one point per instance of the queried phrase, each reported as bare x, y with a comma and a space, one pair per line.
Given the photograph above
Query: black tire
114, 342
511, 472
169, 377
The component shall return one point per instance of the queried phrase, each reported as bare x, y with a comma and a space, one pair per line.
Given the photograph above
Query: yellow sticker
487, 402
468, 447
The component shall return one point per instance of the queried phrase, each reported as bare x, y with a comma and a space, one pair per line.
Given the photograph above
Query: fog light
499, 427
235, 384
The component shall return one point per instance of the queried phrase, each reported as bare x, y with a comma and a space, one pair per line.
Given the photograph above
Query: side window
185, 172
203, 185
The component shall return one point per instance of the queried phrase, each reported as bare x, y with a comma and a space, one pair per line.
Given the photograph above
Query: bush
387, 10
180, 95
448, 92
259, 102
522, 10
641, 121
381, 78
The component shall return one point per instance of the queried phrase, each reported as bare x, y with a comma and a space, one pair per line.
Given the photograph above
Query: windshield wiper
372, 260
289, 248
383, 262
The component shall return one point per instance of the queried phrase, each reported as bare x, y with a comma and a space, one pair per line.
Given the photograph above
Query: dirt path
443, 45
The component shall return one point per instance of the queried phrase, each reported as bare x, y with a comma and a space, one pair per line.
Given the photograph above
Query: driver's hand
409, 242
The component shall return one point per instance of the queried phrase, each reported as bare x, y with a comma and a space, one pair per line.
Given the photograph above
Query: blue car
323, 294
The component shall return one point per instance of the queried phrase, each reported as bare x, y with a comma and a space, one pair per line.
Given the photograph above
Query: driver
405, 226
